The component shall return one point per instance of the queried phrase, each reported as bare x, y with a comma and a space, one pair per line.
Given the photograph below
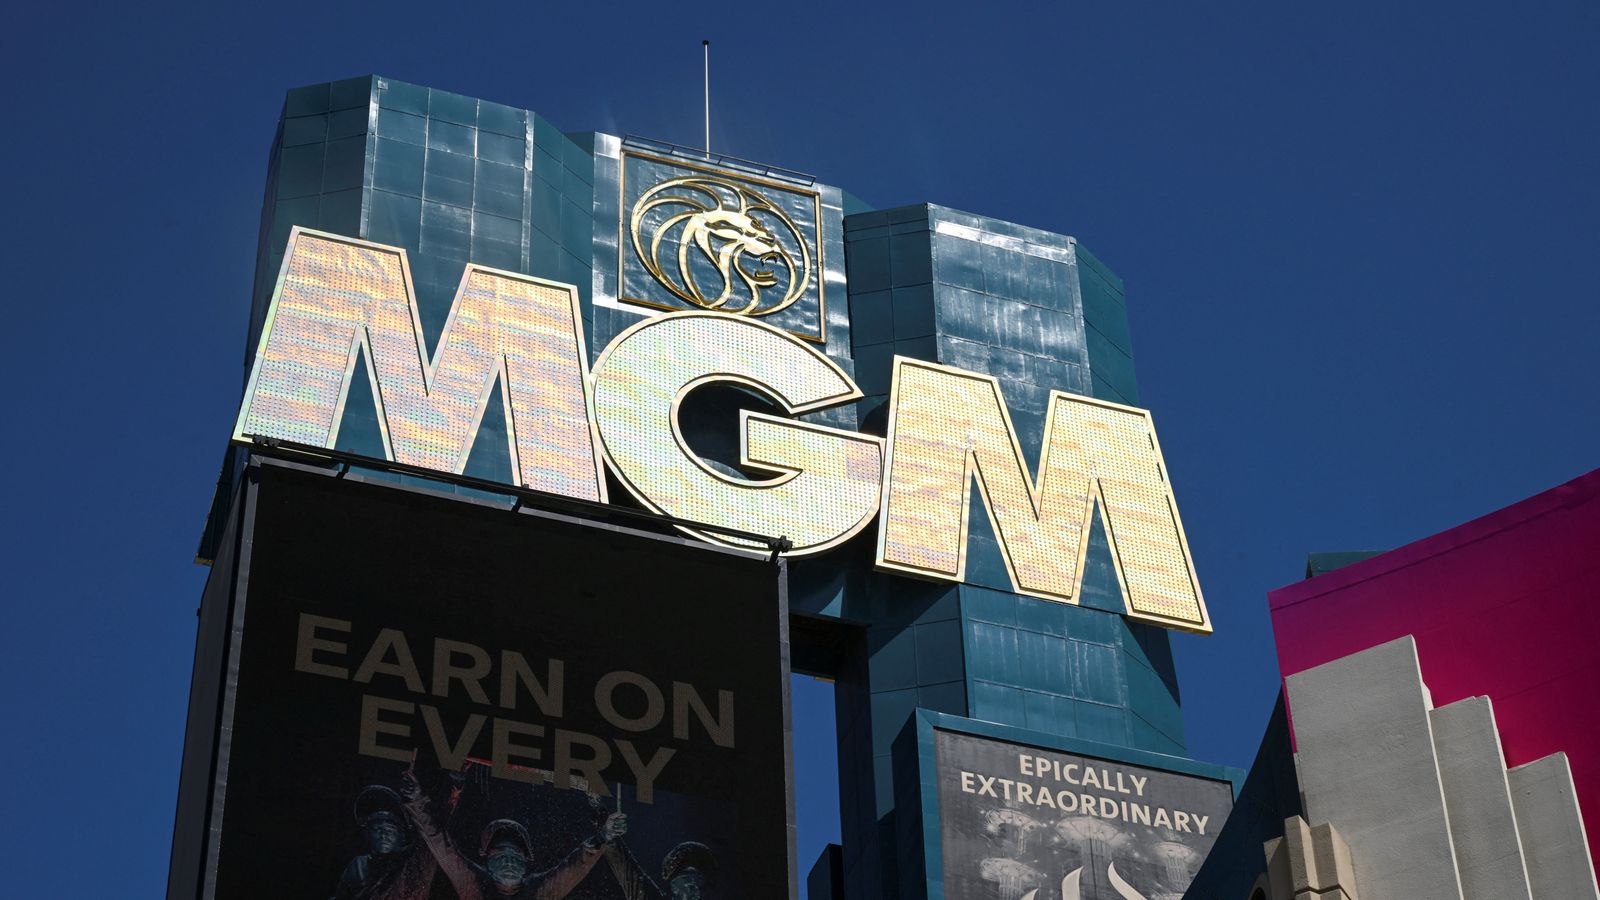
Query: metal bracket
779, 545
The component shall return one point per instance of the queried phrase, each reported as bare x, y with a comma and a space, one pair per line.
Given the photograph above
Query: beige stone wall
1307, 863
1423, 803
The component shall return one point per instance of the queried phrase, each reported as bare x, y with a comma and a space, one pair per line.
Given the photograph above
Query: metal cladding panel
200, 740
415, 680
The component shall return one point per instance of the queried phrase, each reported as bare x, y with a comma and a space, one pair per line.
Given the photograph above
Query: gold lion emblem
725, 232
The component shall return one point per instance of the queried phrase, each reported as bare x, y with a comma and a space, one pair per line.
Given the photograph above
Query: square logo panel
697, 237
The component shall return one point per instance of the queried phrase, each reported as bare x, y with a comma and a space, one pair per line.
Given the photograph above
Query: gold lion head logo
735, 249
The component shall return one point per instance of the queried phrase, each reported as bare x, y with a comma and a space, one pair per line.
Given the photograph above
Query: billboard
433, 697
1021, 822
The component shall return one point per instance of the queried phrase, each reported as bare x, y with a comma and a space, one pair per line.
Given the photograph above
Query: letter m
949, 429
337, 297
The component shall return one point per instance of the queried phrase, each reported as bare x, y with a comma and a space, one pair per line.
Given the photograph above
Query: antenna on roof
705, 47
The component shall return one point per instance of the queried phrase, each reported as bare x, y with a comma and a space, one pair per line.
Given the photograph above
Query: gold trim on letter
949, 428
336, 296
824, 482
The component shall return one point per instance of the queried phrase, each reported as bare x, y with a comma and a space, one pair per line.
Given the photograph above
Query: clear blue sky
1359, 241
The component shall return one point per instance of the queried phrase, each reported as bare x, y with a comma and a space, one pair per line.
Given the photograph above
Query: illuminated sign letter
948, 427
337, 295
825, 482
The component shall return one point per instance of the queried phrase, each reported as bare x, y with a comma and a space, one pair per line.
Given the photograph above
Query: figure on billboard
395, 867
1072, 889
505, 849
690, 871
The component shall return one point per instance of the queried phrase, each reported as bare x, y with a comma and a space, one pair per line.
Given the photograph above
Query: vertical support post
705, 47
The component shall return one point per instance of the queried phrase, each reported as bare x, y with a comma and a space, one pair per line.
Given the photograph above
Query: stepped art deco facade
558, 453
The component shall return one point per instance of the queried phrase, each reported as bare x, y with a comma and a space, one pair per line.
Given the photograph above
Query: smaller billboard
1024, 822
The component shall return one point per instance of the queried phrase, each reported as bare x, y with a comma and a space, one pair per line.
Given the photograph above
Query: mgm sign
339, 300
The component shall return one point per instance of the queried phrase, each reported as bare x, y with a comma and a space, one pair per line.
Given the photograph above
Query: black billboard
1020, 822
427, 697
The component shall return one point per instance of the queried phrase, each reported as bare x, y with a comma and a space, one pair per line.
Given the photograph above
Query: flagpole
705, 47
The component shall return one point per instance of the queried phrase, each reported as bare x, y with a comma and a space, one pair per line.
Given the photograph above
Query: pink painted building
1507, 605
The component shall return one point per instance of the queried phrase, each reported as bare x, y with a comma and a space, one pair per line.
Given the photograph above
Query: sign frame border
820, 338
927, 723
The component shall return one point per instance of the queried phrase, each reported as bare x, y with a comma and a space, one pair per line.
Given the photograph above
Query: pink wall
1507, 605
